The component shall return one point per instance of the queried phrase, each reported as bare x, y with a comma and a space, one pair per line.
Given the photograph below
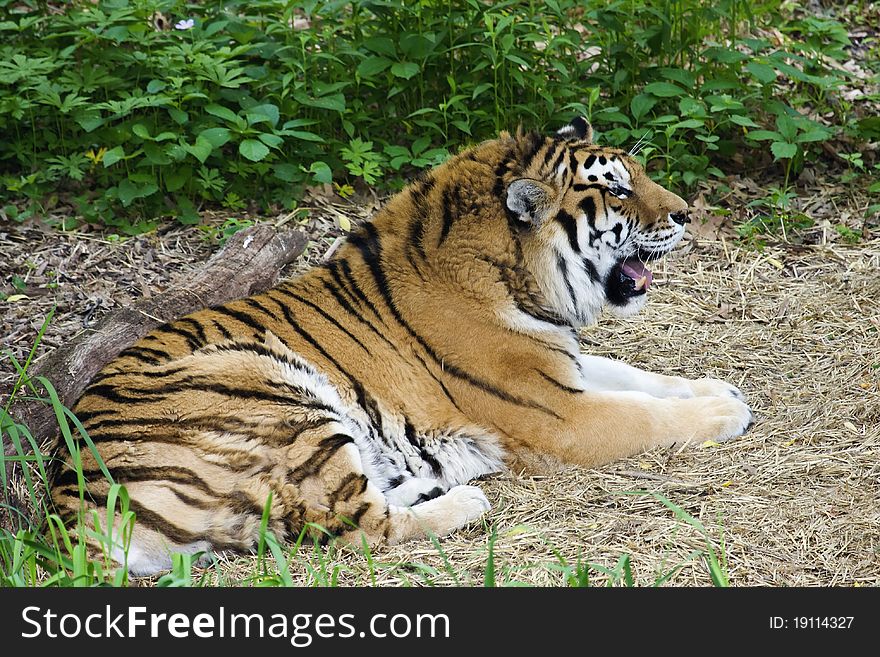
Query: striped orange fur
437, 345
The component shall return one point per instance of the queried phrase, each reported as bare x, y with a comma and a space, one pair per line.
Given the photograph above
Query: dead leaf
724, 313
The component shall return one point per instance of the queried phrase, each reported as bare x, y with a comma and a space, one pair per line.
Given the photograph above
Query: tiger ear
578, 130
529, 199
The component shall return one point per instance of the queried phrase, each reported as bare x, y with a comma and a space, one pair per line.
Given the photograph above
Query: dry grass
795, 502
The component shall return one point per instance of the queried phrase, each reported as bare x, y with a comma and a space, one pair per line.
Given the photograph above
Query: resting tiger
437, 345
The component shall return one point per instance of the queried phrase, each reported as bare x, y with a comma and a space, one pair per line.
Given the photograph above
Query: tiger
436, 346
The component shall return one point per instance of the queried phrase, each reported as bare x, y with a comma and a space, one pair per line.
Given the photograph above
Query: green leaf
641, 105
113, 156
287, 172
253, 150
201, 150
303, 135
372, 66
691, 107
334, 102
664, 89
463, 126
179, 116
217, 137
480, 89
141, 131
764, 134
680, 75
875, 188
155, 86
744, 121
783, 150
90, 121
416, 46
298, 123
761, 72
321, 172
177, 178
188, 215
786, 127
405, 70
129, 191
222, 112
816, 134
156, 154
272, 141
690, 123
380, 45
266, 113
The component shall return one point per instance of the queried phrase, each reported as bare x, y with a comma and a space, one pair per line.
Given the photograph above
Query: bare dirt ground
794, 324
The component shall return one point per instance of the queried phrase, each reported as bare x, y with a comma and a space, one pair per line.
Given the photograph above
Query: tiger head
590, 220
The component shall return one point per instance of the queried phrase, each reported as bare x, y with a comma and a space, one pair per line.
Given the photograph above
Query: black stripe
152, 520
321, 312
333, 497
242, 317
416, 241
256, 305
326, 449
192, 340
534, 145
409, 431
570, 225
440, 383
261, 349
112, 393
348, 307
361, 510
563, 272
200, 331
559, 384
572, 162
369, 245
211, 423
146, 354
333, 270
153, 374
308, 338
447, 214
592, 272
589, 161
552, 150
588, 205
430, 495
349, 275
559, 157
206, 384
222, 329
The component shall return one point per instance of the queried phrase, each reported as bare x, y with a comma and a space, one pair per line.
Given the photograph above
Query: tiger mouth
630, 277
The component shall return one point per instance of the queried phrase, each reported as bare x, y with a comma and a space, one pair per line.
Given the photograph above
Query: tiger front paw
719, 418
708, 387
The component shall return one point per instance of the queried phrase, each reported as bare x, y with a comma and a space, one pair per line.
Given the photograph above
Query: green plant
256, 98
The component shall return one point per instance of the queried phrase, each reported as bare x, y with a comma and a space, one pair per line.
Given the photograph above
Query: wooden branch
250, 262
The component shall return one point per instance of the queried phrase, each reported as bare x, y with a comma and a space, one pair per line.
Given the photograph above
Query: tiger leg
415, 490
344, 501
607, 374
599, 427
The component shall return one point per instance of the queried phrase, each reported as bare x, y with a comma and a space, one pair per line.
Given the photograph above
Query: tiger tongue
636, 270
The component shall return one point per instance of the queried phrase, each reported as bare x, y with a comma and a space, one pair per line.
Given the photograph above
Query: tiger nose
681, 217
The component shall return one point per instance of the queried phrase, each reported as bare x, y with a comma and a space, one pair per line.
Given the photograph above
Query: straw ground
796, 501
